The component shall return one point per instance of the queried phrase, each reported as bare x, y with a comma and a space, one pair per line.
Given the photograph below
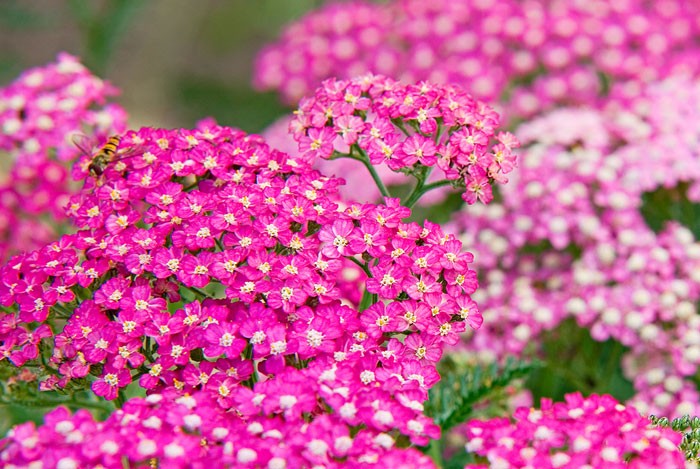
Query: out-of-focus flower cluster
39, 113
595, 431
409, 128
569, 241
662, 127
209, 263
175, 430
529, 54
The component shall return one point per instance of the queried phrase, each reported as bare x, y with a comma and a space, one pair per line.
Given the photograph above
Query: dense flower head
530, 54
568, 241
409, 128
192, 431
39, 112
209, 262
595, 431
662, 123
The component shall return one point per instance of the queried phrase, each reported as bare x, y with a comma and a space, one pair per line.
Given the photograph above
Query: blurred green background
176, 61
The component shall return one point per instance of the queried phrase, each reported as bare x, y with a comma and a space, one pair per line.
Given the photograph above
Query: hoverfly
100, 158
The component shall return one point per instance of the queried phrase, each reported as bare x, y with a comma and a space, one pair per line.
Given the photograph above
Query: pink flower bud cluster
596, 431
178, 431
38, 114
409, 128
532, 54
569, 241
208, 262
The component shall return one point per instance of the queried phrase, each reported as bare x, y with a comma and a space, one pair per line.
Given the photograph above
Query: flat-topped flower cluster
209, 264
595, 431
409, 128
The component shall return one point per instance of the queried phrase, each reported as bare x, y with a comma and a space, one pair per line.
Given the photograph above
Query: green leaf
574, 361
689, 427
664, 205
452, 400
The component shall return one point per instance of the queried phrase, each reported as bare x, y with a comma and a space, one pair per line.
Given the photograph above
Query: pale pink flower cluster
39, 113
569, 241
529, 54
662, 126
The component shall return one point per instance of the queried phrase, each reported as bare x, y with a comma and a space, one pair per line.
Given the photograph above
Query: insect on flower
100, 158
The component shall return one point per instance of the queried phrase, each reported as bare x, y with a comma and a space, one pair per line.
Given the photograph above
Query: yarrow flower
596, 431
530, 55
39, 112
210, 264
192, 430
569, 241
409, 128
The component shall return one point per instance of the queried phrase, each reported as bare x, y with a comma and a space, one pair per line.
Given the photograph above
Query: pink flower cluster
595, 431
352, 171
178, 431
209, 264
569, 241
409, 128
529, 54
38, 114
662, 123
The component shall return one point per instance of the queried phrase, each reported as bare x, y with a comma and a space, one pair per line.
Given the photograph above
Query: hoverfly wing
84, 143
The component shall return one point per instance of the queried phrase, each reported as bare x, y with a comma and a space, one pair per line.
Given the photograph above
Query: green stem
421, 175
121, 398
368, 299
361, 265
48, 368
399, 123
435, 452
421, 189
197, 291
147, 350
62, 311
74, 403
365, 161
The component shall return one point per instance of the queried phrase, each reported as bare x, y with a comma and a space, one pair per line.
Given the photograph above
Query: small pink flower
111, 381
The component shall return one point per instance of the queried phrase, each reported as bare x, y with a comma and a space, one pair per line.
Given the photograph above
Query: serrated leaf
452, 400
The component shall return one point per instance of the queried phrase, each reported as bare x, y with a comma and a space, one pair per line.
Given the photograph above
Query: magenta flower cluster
532, 55
409, 128
177, 431
209, 264
267, 317
595, 431
38, 114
